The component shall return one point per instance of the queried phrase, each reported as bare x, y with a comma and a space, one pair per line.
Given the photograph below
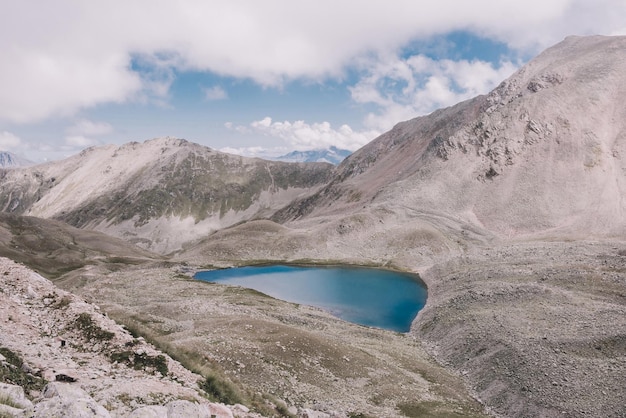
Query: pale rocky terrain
157, 194
71, 365
510, 206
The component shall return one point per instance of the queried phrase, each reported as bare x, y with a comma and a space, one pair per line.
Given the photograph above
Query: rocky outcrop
63, 357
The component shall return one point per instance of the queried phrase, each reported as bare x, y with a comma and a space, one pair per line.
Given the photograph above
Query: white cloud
260, 152
405, 88
304, 136
215, 93
9, 141
79, 141
87, 127
62, 56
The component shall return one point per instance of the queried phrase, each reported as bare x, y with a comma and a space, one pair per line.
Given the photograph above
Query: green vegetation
91, 330
220, 390
214, 384
141, 361
358, 415
8, 401
11, 372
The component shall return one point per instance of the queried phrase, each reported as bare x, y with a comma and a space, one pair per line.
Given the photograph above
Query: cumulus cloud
402, 88
63, 56
307, 136
81, 134
79, 141
260, 152
87, 127
215, 93
9, 141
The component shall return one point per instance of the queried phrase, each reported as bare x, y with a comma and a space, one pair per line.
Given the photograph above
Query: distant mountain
10, 160
157, 194
332, 155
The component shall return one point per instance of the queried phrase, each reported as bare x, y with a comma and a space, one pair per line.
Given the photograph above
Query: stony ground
524, 328
300, 355
62, 339
536, 329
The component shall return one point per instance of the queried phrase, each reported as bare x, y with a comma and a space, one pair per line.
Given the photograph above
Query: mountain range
332, 155
511, 206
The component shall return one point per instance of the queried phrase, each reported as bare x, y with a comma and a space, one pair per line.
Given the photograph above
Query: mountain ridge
145, 191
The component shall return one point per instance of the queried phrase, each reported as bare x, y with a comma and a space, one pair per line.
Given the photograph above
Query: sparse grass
358, 415
220, 390
11, 372
91, 330
141, 361
431, 409
216, 386
8, 401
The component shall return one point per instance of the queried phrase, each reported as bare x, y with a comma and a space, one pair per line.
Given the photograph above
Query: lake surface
376, 298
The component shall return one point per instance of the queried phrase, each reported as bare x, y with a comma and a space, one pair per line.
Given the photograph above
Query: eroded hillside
158, 194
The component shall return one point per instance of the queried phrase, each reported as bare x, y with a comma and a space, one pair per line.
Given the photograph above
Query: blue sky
260, 78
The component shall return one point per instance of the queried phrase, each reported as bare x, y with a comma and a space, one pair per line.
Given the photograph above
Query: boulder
15, 395
68, 407
65, 400
152, 411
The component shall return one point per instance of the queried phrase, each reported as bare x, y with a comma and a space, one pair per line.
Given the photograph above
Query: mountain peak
10, 160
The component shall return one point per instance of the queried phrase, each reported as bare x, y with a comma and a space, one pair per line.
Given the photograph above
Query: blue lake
376, 298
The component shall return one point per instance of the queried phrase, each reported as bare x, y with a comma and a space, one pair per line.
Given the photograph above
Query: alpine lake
371, 297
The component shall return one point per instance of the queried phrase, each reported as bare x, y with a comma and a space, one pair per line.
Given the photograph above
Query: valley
510, 207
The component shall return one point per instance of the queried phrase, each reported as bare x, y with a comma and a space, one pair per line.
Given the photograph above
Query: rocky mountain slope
64, 357
158, 194
544, 153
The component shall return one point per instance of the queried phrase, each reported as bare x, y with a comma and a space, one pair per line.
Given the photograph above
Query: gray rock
64, 390
309, 413
152, 411
70, 408
16, 395
186, 409
9, 411
65, 400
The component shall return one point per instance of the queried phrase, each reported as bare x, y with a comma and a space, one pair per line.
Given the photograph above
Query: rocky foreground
66, 358
538, 329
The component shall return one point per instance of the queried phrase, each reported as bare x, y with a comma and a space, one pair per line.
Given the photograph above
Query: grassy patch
214, 384
91, 330
8, 401
11, 372
220, 390
141, 361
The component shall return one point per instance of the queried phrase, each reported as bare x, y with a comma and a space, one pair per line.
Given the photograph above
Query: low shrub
91, 330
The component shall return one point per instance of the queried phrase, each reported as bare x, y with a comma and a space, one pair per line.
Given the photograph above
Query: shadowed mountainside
54, 248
